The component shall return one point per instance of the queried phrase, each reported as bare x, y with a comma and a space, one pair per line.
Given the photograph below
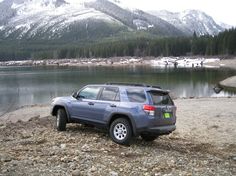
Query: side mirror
75, 94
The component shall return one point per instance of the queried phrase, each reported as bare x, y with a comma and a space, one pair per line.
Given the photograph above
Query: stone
63, 146
55, 148
85, 148
113, 173
234, 158
76, 173
93, 169
5, 158
2, 126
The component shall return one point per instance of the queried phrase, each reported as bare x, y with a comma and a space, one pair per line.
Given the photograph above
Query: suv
126, 110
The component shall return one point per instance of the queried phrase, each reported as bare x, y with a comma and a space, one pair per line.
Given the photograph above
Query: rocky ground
203, 144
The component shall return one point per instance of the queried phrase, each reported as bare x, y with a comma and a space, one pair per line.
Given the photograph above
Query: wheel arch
55, 109
125, 116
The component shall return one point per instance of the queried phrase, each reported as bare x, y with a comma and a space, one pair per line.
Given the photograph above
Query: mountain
78, 20
52, 19
190, 21
75, 20
224, 25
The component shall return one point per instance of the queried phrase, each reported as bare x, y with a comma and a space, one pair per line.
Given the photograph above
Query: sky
221, 10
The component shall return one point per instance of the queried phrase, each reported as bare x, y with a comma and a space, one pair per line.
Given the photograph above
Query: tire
61, 119
149, 137
120, 131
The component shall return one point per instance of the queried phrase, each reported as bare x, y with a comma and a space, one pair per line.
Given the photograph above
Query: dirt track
203, 144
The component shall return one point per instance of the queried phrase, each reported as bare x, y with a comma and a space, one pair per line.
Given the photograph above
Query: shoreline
185, 107
178, 62
204, 144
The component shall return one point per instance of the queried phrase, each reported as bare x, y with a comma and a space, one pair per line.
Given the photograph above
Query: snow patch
150, 26
182, 62
141, 25
15, 6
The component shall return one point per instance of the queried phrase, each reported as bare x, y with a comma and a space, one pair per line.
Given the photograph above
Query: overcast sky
220, 10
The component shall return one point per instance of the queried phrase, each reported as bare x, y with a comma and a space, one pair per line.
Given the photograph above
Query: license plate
167, 115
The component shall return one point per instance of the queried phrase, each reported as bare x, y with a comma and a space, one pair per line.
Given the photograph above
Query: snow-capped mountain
80, 19
49, 18
224, 25
88, 19
190, 21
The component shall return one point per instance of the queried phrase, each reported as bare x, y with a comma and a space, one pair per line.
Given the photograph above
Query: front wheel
61, 119
120, 131
148, 137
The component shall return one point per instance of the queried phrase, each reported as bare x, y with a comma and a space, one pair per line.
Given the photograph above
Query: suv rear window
136, 95
160, 98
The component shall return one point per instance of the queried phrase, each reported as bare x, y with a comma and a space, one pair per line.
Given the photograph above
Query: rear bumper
162, 130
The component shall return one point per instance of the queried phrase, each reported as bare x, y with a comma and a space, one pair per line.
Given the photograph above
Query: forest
137, 45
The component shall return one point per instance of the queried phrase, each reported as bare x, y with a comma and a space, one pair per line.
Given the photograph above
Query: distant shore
127, 61
229, 63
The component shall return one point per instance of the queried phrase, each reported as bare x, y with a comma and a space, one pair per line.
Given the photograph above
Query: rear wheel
61, 119
148, 137
120, 131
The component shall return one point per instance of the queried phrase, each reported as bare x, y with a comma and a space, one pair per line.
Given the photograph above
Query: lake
21, 86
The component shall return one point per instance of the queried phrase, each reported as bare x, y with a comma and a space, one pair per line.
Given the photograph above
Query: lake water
38, 85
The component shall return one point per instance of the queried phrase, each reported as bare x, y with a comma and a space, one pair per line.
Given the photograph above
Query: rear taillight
149, 109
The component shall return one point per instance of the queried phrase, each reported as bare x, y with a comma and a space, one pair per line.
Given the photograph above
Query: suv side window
110, 94
89, 93
136, 95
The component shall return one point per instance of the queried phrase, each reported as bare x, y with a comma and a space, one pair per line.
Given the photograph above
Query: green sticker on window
167, 115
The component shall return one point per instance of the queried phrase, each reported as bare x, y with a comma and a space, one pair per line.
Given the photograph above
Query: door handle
91, 103
113, 105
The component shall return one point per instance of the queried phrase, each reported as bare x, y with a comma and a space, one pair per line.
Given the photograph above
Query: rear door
165, 112
107, 102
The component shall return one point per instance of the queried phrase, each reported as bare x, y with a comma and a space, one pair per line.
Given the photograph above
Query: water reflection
32, 85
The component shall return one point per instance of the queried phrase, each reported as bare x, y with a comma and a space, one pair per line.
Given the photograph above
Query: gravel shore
229, 83
203, 144
228, 63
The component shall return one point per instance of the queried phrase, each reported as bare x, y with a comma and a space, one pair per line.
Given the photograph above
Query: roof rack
133, 84
128, 84
158, 87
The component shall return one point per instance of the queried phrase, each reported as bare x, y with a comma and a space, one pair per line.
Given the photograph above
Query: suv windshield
160, 98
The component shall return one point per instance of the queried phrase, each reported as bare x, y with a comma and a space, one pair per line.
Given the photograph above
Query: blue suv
126, 110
